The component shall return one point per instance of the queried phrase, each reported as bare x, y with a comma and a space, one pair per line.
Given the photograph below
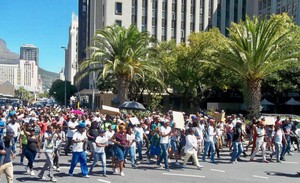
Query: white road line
261, 177
184, 175
289, 162
105, 181
216, 170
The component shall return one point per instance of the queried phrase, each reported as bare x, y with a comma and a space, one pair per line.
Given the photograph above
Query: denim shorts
155, 150
119, 152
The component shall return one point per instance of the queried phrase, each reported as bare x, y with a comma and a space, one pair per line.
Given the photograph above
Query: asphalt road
222, 171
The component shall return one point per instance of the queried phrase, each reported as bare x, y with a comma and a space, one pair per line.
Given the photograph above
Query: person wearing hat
260, 142
15, 126
6, 152
237, 141
101, 142
78, 151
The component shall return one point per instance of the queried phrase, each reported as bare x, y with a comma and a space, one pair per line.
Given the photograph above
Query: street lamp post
65, 76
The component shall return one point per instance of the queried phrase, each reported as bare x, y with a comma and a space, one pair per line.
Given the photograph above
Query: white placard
178, 119
134, 120
109, 110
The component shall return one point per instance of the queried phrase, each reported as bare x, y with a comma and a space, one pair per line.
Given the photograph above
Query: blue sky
44, 23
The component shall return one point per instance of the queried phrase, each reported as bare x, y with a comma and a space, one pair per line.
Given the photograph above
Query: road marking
289, 162
216, 170
184, 175
105, 181
261, 177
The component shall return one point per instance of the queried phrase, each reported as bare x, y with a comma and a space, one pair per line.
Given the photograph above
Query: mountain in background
8, 57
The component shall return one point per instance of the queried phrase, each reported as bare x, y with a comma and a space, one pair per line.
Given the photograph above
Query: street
223, 171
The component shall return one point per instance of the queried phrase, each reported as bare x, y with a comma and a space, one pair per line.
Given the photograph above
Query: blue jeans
139, 146
79, 157
209, 145
164, 155
237, 150
14, 144
98, 156
278, 148
30, 155
285, 148
131, 151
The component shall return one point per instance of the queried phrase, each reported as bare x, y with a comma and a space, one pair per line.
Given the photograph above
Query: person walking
72, 124
131, 146
120, 142
237, 141
48, 149
165, 132
58, 137
260, 142
78, 151
33, 147
100, 143
278, 138
210, 141
191, 148
6, 156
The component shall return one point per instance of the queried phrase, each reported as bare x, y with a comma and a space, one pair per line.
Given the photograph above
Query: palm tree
123, 53
256, 48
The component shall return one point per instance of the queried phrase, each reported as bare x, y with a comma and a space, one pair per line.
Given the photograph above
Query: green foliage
24, 94
155, 102
57, 90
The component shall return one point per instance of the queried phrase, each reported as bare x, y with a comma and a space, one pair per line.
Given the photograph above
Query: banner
178, 119
109, 110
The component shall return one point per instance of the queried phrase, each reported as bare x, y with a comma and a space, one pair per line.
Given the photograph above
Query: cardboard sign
134, 121
109, 110
178, 119
269, 120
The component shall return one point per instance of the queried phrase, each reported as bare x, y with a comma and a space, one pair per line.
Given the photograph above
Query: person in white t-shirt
15, 126
101, 142
131, 146
72, 124
165, 132
191, 148
79, 154
260, 142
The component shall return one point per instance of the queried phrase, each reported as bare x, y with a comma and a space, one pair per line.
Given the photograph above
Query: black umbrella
131, 105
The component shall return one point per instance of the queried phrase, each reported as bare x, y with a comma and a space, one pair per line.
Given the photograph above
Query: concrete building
62, 74
265, 8
29, 52
71, 63
163, 19
10, 73
29, 75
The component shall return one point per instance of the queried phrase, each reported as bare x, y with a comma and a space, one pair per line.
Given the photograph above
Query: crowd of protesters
93, 136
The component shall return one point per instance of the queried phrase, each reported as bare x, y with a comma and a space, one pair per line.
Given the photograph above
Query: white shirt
15, 128
109, 136
70, 132
210, 134
130, 138
191, 143
260, 133
102, 141
48, 144
164, 131
278, 136
78, 147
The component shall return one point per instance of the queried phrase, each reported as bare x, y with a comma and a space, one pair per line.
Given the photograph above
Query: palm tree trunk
122, 88
254, 96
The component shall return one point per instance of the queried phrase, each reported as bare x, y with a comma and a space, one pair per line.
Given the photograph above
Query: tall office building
71, 63
29, 52
265, 8
163, 19
29, 75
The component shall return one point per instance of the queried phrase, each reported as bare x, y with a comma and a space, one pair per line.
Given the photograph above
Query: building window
118, 8
119, 22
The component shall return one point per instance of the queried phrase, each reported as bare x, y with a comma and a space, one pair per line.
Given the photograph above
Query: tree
257, 48
24, 94
123, 53
57, 90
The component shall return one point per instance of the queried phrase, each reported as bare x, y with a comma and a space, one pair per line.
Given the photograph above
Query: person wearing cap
101, 142
237, 141
278, 138
6, 152
260, 142
78, 151
165, 132
72, 124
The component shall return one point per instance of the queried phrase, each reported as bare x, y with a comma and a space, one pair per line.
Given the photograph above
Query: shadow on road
274, 173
